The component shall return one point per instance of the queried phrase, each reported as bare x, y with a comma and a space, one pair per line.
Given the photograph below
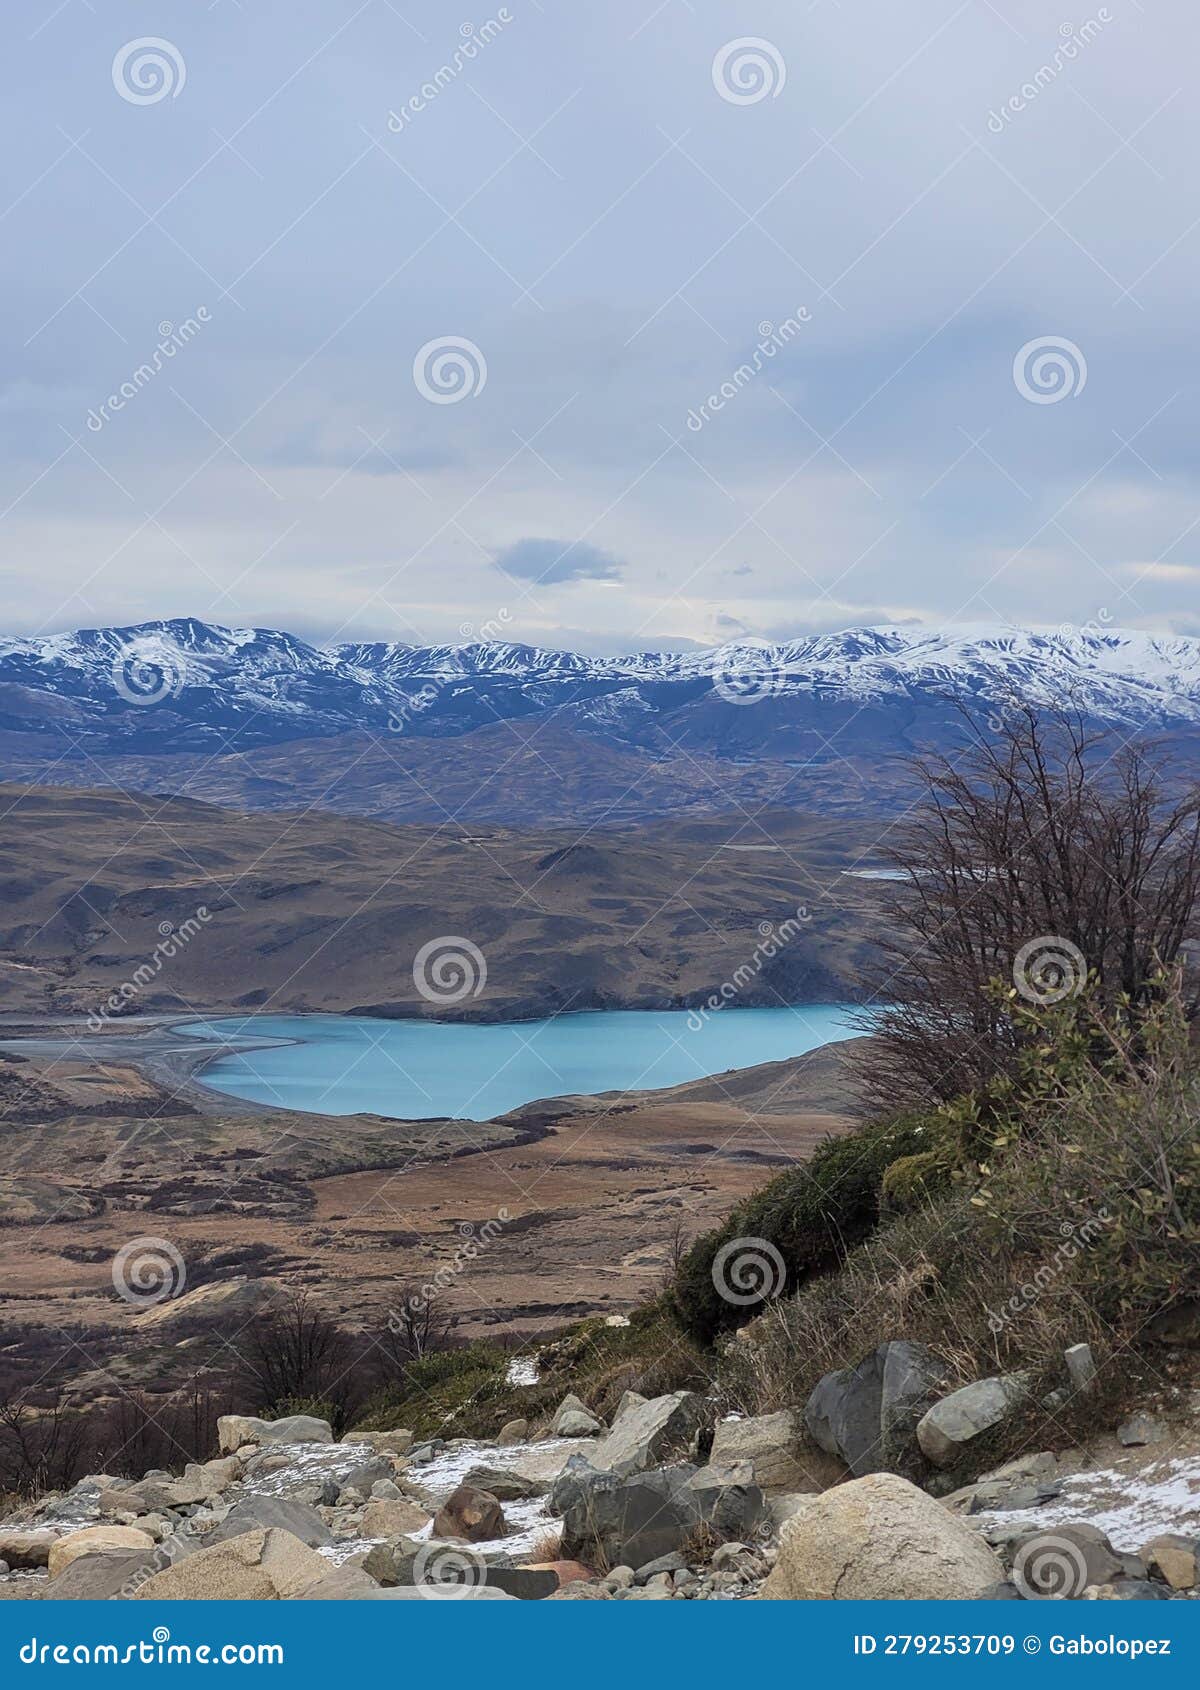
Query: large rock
948, 1428
879, 1539
768, 1442
512, 1432
392, 1517
107, 1575
610, 1521
1175, 1559
234, 1430
473, 1515
398, 1442
272, 1513
867, 1415
647, 1433
574, 1419
505, 1484
23, 1549
258, 1566
91, 1540
392, 1563
1062, 1561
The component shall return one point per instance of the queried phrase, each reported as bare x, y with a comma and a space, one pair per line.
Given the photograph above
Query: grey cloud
552, 561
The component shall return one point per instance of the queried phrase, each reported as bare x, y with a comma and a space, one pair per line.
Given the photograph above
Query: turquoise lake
345, 1065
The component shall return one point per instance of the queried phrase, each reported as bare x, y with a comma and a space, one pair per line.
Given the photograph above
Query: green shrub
912, 1181
811, 1215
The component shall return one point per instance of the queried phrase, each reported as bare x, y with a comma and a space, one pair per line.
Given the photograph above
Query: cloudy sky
448, 298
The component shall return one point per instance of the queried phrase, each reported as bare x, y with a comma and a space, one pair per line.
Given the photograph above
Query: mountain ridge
182, 682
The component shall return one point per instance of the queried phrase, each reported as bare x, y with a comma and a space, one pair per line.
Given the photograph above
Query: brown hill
309, 911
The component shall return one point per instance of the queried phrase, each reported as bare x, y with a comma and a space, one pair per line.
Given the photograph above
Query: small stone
1141, 1429
1175, 1558
620, 1578
1081, 1366
386, 1490
728, 1555
512, 1432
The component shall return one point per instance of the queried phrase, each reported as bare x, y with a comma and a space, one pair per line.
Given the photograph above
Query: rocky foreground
660, 1505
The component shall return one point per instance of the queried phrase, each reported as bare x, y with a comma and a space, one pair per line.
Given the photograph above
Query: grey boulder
955, 1421
867, 1415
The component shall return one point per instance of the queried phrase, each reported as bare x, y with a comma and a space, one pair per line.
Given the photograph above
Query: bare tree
415, 1328
296, 1354
1045, 855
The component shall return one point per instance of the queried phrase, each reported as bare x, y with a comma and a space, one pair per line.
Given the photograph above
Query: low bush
813, 1216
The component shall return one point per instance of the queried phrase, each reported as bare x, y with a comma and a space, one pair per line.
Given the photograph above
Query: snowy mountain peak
201, 686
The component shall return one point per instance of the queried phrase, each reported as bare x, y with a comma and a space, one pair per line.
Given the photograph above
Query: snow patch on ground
1130, 1508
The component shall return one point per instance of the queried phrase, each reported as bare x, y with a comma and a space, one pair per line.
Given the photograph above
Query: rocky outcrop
257, 1566
609, 1521
23, 1549
505, 1484
947, 1430
393, 1517
867, 1415
879, 1538
648, 1432
398, 1442
272, 1513
235, 1430
92, 1540
769, 1443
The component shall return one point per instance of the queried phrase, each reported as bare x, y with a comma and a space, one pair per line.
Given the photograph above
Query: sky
656, 323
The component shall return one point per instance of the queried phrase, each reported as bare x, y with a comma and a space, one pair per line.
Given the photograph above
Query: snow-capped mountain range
186, 685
